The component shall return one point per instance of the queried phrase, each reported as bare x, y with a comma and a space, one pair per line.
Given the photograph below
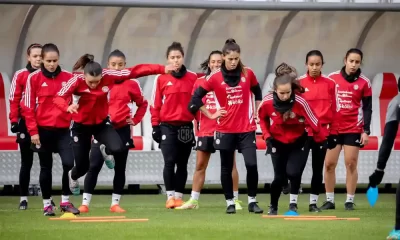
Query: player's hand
219, 113
364, 139
73, 108
131, 122
170, 68
376, 178
256, 118
156, 134
14, 127
35, 139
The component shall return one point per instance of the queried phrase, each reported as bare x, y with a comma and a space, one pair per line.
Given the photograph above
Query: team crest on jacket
301, 119
185, 134
243, 79
105, 89
355, 87
292, 115
63, 84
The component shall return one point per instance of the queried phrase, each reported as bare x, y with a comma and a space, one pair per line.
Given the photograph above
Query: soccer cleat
48, 211
293, 207
327, 205
73, 184
83, 209
178, 202
191, 204
53, 204
272, 210
23, 205
117, 209
237, 204
253, 207
108, 159
170, 204
394, 235
231, 209
349, 206
313, 208
69, 207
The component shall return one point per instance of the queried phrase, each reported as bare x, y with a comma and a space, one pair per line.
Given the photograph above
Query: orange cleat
117, 209
83, 209
170, 203
178, 202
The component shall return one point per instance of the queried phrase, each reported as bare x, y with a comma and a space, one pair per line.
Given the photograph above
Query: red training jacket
38, 106
93, 103
273, 125
205, 126
320, 94
237, 101
122, 97
17, 91
171, 97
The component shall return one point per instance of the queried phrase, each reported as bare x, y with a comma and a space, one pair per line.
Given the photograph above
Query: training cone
372, 195
68, 215
291, 213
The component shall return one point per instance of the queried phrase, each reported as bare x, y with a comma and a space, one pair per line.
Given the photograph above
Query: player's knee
330, 166
351, 165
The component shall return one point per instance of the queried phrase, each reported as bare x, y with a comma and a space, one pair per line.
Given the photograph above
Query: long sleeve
62, 99
367, 112
385, 150
29, 105
333, 129
264, 121
310, 119
156, 102
15, 96
137, 71
137, 97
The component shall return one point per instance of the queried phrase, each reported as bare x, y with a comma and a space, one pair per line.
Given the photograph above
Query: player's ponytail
83, 61
284, 74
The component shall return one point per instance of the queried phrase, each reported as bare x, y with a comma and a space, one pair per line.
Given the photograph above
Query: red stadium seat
7, 142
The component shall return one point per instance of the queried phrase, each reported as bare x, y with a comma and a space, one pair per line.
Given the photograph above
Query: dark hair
356, 51
82, 61
32, 46
175, 46
49, 47
93, 69
116, 53
204, 65
232, 46
315, 53
287, 74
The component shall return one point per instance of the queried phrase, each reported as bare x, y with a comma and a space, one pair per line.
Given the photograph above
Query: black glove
331, 141
376, 178
14, 127
156, 134
269, 145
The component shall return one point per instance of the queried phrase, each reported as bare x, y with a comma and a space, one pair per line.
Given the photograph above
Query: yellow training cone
68, 215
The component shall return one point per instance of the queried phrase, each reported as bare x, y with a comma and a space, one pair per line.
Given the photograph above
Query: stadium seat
7, 140
384, 88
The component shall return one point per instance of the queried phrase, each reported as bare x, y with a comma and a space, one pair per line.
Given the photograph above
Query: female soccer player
205, 134
17, 120
90, 114
354, 97
233, 85
48, 126
172, 123
319, 92
284, 115
121, 100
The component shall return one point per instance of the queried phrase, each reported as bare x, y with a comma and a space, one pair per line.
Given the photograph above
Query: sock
251, 199
195, 195
46, 202
330, 197
178, 195
23, 199
170, 194
230, 202
350, 198
87, 197
115, 199
293, 198
236, 195
64, 199
313, 199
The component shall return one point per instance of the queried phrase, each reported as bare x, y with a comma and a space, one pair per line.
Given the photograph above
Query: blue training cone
372, 195
291, 213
